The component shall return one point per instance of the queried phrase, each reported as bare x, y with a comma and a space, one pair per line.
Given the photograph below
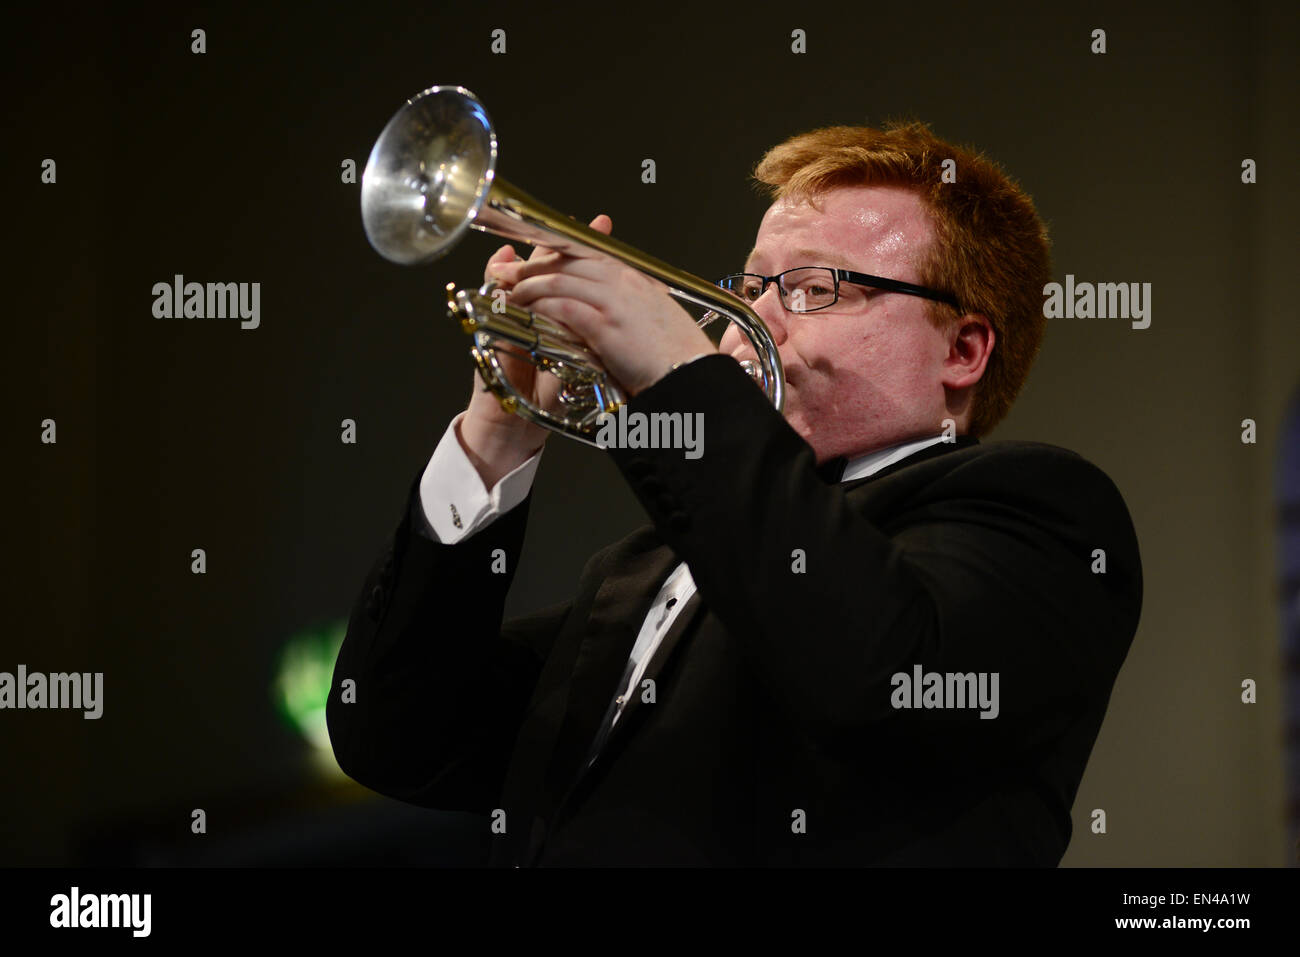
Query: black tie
607, 723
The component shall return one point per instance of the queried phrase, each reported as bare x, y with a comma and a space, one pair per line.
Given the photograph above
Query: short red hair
991, 249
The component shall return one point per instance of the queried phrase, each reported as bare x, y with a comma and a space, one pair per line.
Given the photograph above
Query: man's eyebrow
810, 257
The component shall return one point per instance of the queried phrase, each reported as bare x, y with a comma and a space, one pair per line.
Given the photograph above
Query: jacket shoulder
1027, 461
1041, 482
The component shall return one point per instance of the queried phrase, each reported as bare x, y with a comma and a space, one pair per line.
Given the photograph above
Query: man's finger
593, 268
540, 256
503, 255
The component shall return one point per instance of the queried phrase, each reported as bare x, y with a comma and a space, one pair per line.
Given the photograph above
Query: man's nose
769, 309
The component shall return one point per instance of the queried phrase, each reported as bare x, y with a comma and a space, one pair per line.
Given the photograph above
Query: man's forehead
851, 222
820, 256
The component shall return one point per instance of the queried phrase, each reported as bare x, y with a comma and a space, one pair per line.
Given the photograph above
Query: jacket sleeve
990, 567
429, 687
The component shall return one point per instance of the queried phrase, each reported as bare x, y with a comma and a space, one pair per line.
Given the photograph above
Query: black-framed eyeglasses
809, 288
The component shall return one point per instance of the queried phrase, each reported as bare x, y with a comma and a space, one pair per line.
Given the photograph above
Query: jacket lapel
685, 619
617, 611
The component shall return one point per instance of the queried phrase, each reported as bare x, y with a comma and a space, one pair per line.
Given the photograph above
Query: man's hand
627, 318
496, 441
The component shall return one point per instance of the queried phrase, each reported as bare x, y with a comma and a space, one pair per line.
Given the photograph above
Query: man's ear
970, 343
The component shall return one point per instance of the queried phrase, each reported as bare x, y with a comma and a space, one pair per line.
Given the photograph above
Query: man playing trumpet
853, 633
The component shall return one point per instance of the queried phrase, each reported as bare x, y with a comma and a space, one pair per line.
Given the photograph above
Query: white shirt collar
873, 462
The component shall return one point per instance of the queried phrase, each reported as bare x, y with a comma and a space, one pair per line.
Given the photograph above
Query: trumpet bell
428, 175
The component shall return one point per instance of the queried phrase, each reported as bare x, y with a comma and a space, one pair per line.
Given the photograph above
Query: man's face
865, 372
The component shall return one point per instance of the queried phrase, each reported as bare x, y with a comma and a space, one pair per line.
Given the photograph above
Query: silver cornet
432, 175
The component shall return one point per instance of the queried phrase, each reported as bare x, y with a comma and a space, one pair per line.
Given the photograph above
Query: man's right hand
497, 442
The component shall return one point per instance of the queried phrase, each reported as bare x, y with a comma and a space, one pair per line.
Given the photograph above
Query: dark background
182, 434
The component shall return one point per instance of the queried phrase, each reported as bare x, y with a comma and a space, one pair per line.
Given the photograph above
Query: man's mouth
749, 362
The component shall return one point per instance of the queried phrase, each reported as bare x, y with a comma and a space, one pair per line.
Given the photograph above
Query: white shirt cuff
455, 501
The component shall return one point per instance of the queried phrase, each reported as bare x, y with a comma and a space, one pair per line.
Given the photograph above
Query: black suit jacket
771, 739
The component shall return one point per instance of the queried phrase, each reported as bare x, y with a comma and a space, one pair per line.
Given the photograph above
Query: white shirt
456, 504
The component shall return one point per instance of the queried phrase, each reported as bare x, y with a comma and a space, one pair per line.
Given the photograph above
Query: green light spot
302, 680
